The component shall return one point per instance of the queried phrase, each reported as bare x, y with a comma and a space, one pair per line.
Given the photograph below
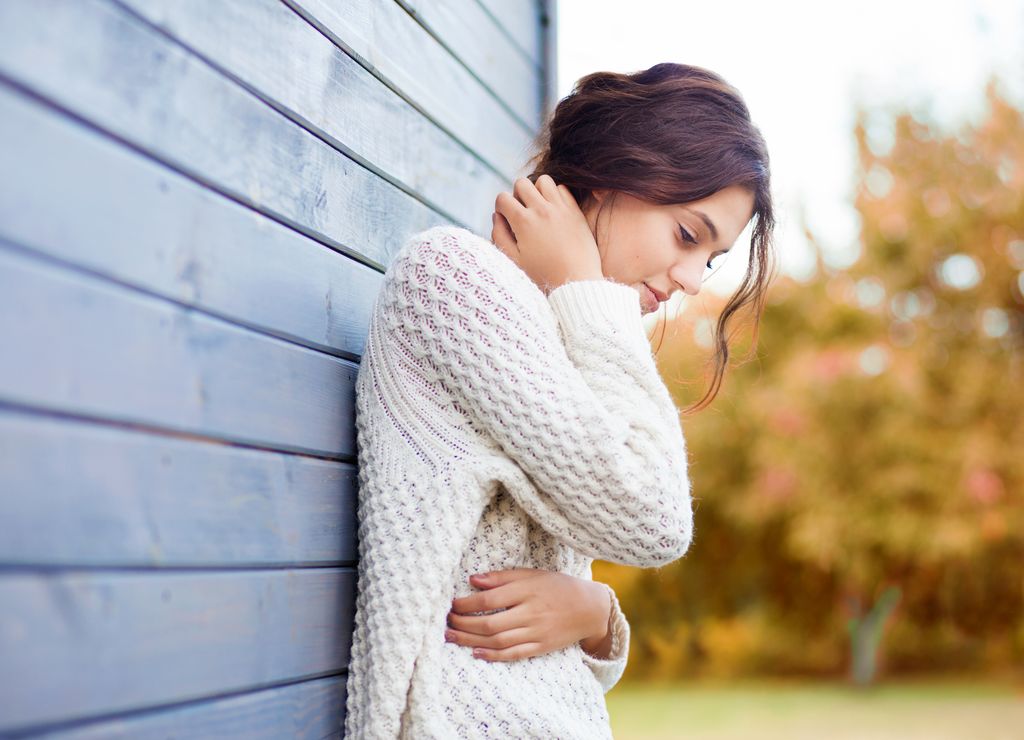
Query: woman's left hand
543, 611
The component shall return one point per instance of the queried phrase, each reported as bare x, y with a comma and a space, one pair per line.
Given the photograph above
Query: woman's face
645, 244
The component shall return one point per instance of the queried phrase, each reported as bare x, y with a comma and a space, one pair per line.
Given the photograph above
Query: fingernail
448, 636
480, 576
478, 653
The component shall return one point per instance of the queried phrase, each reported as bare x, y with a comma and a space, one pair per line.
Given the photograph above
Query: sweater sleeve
609, 670
589, 421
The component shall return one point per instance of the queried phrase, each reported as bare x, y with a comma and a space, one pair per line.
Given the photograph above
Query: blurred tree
876, 441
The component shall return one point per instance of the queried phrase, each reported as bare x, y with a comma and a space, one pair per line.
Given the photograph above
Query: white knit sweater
500, 428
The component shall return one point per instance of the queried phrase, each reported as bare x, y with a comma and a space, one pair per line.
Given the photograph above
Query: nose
688, 276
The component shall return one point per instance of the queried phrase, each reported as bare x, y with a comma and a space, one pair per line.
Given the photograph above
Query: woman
511, 419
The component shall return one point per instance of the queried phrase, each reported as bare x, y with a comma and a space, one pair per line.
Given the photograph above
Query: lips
657, 294
651, 299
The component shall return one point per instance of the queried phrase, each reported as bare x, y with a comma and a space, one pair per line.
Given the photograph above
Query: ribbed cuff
609, 670
603, 302
619, 628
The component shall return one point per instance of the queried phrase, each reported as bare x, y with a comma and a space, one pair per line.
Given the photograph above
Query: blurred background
858, 562
198, 203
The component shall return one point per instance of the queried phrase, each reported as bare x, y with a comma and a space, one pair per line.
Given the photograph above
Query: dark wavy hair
668, 135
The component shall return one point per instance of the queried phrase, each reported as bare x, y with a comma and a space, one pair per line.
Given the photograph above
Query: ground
961, 710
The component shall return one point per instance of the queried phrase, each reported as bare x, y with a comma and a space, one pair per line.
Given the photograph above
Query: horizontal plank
388, 41
77, 195
80, 645
520, 20
287, 62
91, 495
471, 34
308, 710
100, 62
78, 344
550, 94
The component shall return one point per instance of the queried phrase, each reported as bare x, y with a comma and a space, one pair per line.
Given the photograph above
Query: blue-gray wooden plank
475, 39
83, 644
390, 43
308, 710
92, 495
520, 20
102, 63
549, 56
78, 344
292, 66
80, 196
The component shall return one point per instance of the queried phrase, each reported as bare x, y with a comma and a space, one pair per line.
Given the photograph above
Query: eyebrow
707, 221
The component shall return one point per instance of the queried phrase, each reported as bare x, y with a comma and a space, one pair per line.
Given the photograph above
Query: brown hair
669, 134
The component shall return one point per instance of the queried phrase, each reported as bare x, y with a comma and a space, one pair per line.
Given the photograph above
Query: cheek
632, 263
634, 256
632, 251
649, 260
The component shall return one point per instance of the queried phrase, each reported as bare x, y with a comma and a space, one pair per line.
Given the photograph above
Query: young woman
511, 420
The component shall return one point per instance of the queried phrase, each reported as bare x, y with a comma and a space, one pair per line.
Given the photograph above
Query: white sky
801, 66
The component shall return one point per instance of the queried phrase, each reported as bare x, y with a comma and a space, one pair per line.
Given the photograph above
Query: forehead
730, 199
728, 207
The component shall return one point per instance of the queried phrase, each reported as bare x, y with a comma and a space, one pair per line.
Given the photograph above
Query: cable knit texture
500, 428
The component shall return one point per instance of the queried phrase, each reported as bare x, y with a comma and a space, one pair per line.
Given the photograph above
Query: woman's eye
716, 259
686, 235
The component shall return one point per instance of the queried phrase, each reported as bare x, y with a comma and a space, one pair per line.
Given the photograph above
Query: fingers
486, 624
513, 644
501, 577
509, 654
499, 641
498, 597
502, 236
525, 195
505, 204
567, 195
546, 186
528, 193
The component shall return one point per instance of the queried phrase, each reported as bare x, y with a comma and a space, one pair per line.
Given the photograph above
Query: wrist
598, 641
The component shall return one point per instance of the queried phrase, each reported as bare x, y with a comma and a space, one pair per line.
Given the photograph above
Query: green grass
962, 710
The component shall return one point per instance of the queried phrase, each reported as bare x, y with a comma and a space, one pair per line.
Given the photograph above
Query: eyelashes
688, 238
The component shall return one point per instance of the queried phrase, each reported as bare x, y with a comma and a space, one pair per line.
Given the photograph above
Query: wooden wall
197, 201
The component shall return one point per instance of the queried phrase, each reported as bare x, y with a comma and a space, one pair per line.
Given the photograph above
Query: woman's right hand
542, 229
